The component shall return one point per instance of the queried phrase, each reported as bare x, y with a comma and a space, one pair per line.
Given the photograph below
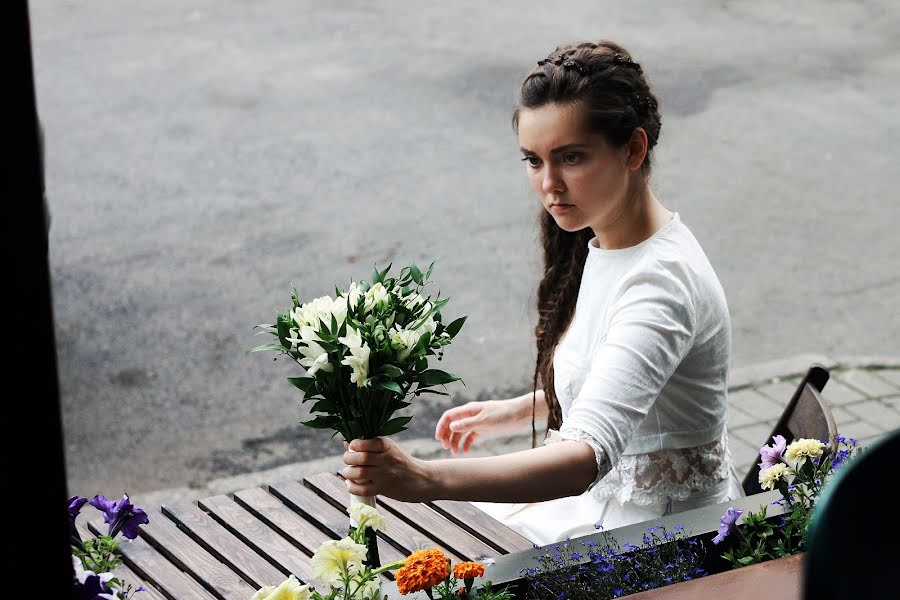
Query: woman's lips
560, 208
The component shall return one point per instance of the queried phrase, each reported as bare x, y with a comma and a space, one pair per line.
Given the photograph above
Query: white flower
366, 516
336, 559
404, 341
358, 359
799, 450
375, 295
290, 589
313, 312
769, 477
315, 358
413, 300
339, 309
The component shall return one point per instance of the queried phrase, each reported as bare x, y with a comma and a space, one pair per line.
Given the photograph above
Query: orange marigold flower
424, 569
468, 570
462, 592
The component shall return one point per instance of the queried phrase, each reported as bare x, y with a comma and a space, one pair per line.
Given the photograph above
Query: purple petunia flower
75, 503
122, 516
727, 523
772, 455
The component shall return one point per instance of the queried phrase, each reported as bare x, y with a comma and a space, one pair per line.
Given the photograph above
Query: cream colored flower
358, 359
375, 295
769, 477
799, 450
336, 559
366, 516
315, 358
290, 589
313, 312
404, 341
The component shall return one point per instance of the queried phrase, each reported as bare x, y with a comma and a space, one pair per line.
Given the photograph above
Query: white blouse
641, 372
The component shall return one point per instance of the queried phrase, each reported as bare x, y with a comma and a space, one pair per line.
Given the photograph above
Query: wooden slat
427, 520
256, 534
315, 509
153, 567
122, 572
331, 487
280, 517
207, 532
178, 547
131, 578
482, 525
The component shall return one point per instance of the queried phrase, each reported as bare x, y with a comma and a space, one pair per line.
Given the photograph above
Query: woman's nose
552, 182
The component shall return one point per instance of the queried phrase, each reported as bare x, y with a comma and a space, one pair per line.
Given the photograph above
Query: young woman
633, 333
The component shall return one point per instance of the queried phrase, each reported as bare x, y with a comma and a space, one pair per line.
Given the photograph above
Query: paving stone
780, 393
742, 453
878, 413
861, 430
836, 393
843, 417
739, 418
756, 405
754, 435
866, 382
889, 375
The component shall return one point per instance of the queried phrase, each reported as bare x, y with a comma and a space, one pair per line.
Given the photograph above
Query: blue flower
617, 592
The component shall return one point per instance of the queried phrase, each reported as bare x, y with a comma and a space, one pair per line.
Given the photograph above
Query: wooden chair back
807, 415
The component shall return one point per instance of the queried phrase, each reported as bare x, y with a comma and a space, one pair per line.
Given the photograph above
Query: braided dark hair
612, 91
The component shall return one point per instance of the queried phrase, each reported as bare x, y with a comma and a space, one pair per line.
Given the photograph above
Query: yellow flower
366, 516
804, 448
290, 589
770, 476
336, 559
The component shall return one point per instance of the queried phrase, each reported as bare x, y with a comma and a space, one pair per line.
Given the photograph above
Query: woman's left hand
380, 467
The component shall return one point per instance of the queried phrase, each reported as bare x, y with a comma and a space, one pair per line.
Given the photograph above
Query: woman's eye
533, 161
572, 158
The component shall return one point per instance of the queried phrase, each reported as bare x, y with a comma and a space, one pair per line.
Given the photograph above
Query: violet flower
772, 455
727, 524
122, 516
75, 503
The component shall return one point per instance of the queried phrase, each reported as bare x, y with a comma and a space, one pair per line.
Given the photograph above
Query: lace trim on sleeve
571, 433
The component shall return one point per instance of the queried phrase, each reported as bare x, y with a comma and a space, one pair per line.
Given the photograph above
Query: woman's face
580, 179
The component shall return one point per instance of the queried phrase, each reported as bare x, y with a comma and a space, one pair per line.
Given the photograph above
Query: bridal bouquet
365, 352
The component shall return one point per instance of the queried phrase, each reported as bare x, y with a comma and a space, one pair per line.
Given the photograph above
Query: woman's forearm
527, 400
560, 469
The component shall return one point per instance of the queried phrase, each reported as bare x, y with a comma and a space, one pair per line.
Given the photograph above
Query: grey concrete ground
204, 156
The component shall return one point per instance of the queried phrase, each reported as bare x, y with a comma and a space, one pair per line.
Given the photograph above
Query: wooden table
229, 546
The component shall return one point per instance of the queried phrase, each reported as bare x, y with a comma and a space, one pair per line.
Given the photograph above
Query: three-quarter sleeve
651, 325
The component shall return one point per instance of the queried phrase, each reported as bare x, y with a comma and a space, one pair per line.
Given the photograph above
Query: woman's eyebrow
557, 150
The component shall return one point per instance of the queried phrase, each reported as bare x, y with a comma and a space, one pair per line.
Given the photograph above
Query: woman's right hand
460, 426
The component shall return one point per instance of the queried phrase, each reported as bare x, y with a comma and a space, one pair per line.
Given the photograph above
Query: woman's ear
637, 149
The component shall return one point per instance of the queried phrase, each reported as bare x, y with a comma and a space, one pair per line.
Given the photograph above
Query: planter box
701, 523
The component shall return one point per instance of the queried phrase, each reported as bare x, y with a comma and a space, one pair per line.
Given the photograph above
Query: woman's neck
644, 216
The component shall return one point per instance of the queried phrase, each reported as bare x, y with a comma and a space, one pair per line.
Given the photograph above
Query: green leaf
305, 384
266, 327
284, 329
395, 425
323, 422
416, 274
431, 391
269, 347
453, 328
436, 377
326, 406
389, 385
428, 273
390, 371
